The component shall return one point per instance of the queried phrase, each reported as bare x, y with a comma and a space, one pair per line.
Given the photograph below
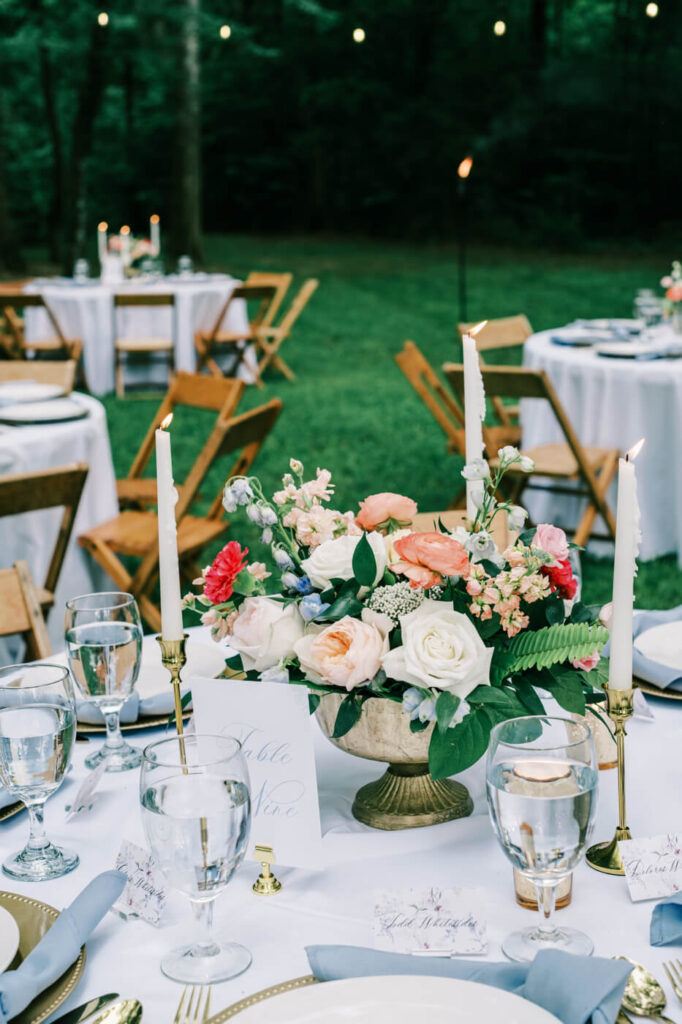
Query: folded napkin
666, 922
60, 946
644, 668
576, 989
134, 708
6, 798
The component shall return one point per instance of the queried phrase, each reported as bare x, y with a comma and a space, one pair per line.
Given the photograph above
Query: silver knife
85, 1010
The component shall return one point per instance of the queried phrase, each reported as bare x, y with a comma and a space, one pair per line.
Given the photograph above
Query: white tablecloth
335, 905
32, 536
613, 403
86, 311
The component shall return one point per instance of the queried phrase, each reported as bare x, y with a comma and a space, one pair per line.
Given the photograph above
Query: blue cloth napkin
134, 707
666, 922
60, 946
576, 989
646, 669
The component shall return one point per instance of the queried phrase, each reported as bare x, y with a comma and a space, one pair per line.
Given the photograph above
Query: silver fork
190, 1010
674, 972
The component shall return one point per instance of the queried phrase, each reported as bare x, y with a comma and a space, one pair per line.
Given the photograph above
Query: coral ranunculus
674, 294
433, 551
561, 579
220, 578
378, 509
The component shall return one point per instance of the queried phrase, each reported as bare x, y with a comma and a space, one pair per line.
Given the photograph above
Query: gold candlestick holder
606, 856
173, 658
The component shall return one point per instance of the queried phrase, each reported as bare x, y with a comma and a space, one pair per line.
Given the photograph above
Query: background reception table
613, 403
30, 449
334, 905
86, 311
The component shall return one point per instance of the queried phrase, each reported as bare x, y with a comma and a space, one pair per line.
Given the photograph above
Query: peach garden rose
346, 653
429, 557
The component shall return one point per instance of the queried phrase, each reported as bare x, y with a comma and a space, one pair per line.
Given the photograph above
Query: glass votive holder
601, 728
524, 891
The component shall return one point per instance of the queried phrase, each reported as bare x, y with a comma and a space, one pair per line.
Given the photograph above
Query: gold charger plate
10, 810
259, 997
655, 691
34, 920
151, 722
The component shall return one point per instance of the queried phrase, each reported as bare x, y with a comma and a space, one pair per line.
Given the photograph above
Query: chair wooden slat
504, 332
20, 610
15, 344
62, 372
425, 522
129, 346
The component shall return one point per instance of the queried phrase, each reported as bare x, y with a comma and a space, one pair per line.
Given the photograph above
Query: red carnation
561, 578
220, 577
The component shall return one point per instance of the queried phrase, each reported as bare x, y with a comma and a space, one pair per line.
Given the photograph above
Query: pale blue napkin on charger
644, 668
60, 946
576, 989
666, 922
134, 707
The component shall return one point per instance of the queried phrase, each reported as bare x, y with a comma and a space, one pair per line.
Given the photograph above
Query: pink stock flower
377, 509
588, 663
258, 571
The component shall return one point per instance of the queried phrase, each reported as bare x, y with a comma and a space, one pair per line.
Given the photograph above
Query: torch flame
102, 226
479, 327
154, 218
634, 451
464, 169
165, 424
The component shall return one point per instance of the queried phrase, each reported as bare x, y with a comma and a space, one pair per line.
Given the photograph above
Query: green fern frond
554, 645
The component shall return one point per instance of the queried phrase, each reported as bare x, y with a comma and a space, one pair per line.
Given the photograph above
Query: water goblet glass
196, 812
541, 777
185, 266
104, 644
37, 730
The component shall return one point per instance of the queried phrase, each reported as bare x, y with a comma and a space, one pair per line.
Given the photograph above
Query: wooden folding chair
426, 522
20, 611
221, 394
210, 344
280, 282
270, 338
43, 371
504, 333
135, 533
591, 468
51, 488
140, 345
17, 347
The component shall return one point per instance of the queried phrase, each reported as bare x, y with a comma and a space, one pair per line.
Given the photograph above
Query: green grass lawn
351, 409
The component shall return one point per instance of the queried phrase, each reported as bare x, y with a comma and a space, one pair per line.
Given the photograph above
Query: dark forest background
571, 116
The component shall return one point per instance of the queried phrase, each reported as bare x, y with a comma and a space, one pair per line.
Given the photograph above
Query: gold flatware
191, 1011
85, 1010
643, 995
674, 971
128, 1011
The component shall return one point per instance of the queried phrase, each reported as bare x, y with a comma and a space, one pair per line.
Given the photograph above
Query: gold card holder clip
266, 884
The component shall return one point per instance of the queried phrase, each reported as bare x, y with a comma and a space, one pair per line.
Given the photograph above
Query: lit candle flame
154, 219
102, 226
479, 327
634, 451
125, 230
165, 424
464, 169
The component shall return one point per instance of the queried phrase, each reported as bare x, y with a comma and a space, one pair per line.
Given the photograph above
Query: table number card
145, 892
85, 798
429, 921
272, 722
653, 866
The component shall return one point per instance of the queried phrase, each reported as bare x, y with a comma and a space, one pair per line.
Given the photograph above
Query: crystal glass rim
74, 604
554, 745
191, 739
62, 669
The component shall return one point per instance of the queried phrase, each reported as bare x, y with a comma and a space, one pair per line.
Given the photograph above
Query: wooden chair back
51, 488
505, 332
495, 436
62, 372
144, 299
445, 410
11, 302
269, 339
425, 522
280, 282
20, 611
264, 294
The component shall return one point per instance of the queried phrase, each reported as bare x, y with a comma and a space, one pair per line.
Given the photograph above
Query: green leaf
347, 715
345, 604
529, 697
313, 702
364, 563
452, 751
554, 610
553, 645
417, 726
567, 690
446, 705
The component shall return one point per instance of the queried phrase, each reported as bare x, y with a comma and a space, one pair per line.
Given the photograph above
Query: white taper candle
169, 572
624, 571
474, 414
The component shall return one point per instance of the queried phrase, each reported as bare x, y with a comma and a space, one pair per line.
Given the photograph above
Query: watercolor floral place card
145, 893
653, 866
429, 921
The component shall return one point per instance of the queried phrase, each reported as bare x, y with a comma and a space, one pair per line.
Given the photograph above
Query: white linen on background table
86, 311
335, 905
32, 536
613, 403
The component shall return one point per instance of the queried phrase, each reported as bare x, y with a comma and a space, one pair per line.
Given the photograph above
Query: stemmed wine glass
542, 794
37, 730
196, 811
104, 644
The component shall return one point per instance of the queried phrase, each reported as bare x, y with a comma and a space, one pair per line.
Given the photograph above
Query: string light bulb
103, 19
499, 28
225, 32
464, 169
651, 10
359, 35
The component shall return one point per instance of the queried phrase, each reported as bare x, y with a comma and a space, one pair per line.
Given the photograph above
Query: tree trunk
10, 253
54, 216
538, 33
186, 228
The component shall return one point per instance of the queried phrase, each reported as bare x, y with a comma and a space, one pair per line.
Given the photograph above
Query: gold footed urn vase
405, 796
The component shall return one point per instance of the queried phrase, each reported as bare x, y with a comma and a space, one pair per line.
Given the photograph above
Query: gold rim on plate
656, 691
34, 920
151, 722
260, 997
10, 810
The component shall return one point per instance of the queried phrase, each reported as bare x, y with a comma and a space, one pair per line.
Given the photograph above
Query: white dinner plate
625, 349
9, 939
59, 410
204, 658
662, 644
16, 392
398, 999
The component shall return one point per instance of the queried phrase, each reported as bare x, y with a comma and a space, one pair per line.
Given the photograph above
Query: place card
84, 799
145, 893
430, 921
272, 722
653, 866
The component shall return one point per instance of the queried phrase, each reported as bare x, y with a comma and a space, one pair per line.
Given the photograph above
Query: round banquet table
613, 403
86, 311
335, 904
32, 536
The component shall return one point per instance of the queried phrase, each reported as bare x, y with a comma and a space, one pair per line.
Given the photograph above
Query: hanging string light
225, 32
651, 10
499, 28
359, 35
103, 19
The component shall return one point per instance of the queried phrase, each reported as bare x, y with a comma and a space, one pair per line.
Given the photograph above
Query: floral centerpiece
672, 283
441, 629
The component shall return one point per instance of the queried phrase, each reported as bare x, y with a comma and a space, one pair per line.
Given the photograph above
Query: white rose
442, 649
392, 555
265, 632
333, 560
